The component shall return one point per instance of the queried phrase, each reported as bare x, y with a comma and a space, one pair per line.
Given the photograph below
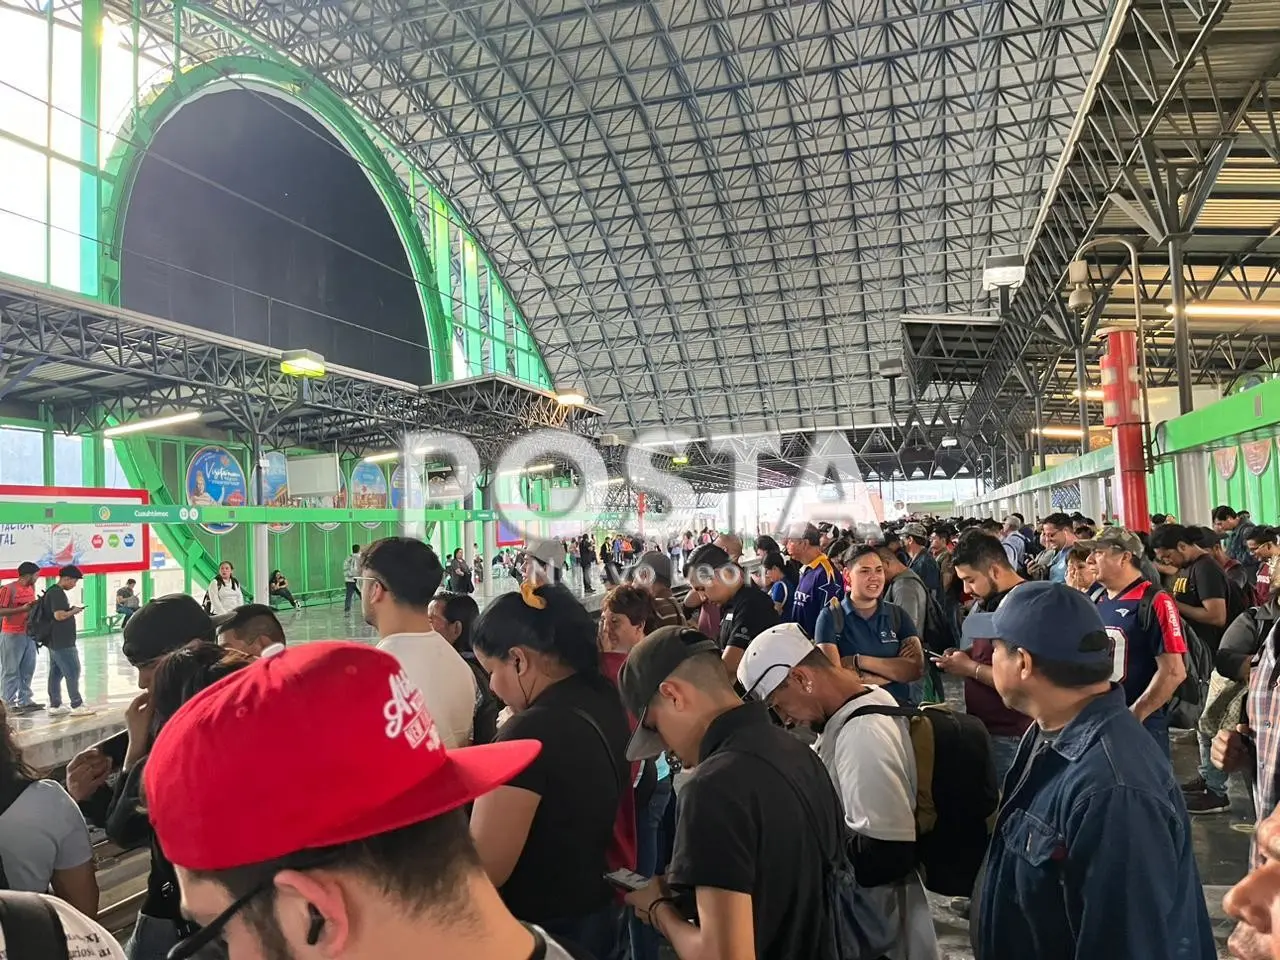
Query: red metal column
1122, 411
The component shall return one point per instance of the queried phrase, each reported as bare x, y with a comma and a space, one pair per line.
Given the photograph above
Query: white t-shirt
874, 769
224, 597
447, 683
42, 831
86, 939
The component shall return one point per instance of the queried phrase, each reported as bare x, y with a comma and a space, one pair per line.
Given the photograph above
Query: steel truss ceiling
712, 212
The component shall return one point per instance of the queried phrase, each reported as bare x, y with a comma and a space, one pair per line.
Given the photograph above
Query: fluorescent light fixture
1242, 310
1088, 394
301, 363
139, 425
613, 481
572, 398
917, 473
536, 468
383, 457
963, 471
1007, 271
939, 472
950, 442
872, 475
1064, 433
952, 319
679, 461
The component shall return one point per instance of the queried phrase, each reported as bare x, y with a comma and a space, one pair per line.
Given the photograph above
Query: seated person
280, 588
127, 601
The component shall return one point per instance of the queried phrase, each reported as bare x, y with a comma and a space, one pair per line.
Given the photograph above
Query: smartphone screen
627, 879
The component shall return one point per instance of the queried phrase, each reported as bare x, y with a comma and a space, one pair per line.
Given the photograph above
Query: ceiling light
1064, 433
383, 457
139, 425
897, 471
939, 472
616, 480
950, 442
917, 473
572, 398
1007, 271
1242, 310
872, 475
963, 471
302, 363
1093, 394
679, 461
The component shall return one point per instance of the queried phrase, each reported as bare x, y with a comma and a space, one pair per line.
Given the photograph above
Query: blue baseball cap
1046, 619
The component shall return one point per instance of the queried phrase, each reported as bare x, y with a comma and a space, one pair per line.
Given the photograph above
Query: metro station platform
109, 684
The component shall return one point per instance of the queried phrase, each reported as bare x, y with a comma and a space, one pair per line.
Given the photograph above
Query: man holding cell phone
64, 658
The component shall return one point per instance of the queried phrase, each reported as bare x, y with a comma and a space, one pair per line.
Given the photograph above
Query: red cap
333, 742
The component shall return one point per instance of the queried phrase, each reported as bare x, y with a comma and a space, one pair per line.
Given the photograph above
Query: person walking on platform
350, 572
17, 648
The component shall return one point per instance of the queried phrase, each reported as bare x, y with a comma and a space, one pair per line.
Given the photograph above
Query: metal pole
1039, 404
1082, 386
1181, 337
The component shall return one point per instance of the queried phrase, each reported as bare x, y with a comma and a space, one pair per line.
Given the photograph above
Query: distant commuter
64, 658
224, 593
127, 601
279, 587
17, 647
350, 573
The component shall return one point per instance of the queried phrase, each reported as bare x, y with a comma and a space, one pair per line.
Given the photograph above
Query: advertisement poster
105, 547
368, 490
330, 503
275, 487
1225, 460
509, 534
216, 479
417, 498
1257, 455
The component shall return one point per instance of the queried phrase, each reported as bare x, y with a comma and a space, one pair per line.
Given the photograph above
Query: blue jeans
17, 667
649, 857
1003, 749
1214, 778
64, 664
1158, 726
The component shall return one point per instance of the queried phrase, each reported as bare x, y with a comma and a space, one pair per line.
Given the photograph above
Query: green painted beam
1229, 420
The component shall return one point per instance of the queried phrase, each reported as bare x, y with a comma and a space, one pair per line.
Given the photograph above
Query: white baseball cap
770, 658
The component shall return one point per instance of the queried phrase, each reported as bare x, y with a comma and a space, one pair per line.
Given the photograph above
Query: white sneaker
83, 711
59, 711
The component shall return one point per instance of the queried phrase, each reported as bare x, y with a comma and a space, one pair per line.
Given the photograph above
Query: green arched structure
138, 133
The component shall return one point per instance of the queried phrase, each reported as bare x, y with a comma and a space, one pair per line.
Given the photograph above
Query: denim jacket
1091, 857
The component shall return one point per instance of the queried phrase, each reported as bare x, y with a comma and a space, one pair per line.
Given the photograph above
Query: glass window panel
66, 91
64, 237
116, 101
21, 456
24, 75
22, 212
115, 478
68, 461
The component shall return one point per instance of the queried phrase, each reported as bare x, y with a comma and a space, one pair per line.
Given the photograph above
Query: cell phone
935, 657
627, 880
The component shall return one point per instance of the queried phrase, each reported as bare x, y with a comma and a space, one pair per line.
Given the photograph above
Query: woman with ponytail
545, 837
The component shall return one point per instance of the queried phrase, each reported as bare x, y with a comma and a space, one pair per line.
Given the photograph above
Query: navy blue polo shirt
879, 635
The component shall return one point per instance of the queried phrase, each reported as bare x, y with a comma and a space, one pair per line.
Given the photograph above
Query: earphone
316, 926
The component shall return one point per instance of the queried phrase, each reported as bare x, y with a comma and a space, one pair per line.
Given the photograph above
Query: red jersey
15, 595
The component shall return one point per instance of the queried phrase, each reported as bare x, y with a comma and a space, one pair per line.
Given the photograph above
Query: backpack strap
32, 928
924, 751
1146, 605
625, 776
836, 606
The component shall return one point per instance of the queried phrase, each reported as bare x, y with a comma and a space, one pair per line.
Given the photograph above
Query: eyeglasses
371, 580
190, 946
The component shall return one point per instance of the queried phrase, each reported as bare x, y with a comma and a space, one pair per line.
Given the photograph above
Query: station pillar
1191, 473
260, 561
1122, 411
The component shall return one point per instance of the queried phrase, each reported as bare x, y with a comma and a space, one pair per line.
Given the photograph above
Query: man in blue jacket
1091, 854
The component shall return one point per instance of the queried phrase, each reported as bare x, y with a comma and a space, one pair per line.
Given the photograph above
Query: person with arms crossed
1092, 854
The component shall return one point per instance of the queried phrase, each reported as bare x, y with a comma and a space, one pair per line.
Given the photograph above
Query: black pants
285, 594
352, 591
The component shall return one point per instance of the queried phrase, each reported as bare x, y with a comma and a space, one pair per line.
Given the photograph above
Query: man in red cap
363, 856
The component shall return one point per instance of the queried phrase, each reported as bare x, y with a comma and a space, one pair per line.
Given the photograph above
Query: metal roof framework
713, 213
90, 366
1176, 148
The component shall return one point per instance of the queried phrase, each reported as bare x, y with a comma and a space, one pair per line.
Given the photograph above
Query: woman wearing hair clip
556, 819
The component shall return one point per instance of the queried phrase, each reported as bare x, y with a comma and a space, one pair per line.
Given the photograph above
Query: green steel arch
139, 131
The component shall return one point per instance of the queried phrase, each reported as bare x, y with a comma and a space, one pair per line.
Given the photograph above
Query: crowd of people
762, 767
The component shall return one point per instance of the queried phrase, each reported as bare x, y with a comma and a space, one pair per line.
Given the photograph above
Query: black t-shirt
1202, 580
739, 827
745, 615
560, 873
63, 636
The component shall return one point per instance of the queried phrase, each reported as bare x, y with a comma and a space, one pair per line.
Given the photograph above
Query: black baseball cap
649, 663
707, 555
71, 572
243, 614
163, 625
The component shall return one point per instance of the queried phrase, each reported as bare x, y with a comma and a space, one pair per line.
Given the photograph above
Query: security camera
1080, 300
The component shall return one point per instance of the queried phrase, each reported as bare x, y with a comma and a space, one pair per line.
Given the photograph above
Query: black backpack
32, 928
1188, 701
956, 792
40, 620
